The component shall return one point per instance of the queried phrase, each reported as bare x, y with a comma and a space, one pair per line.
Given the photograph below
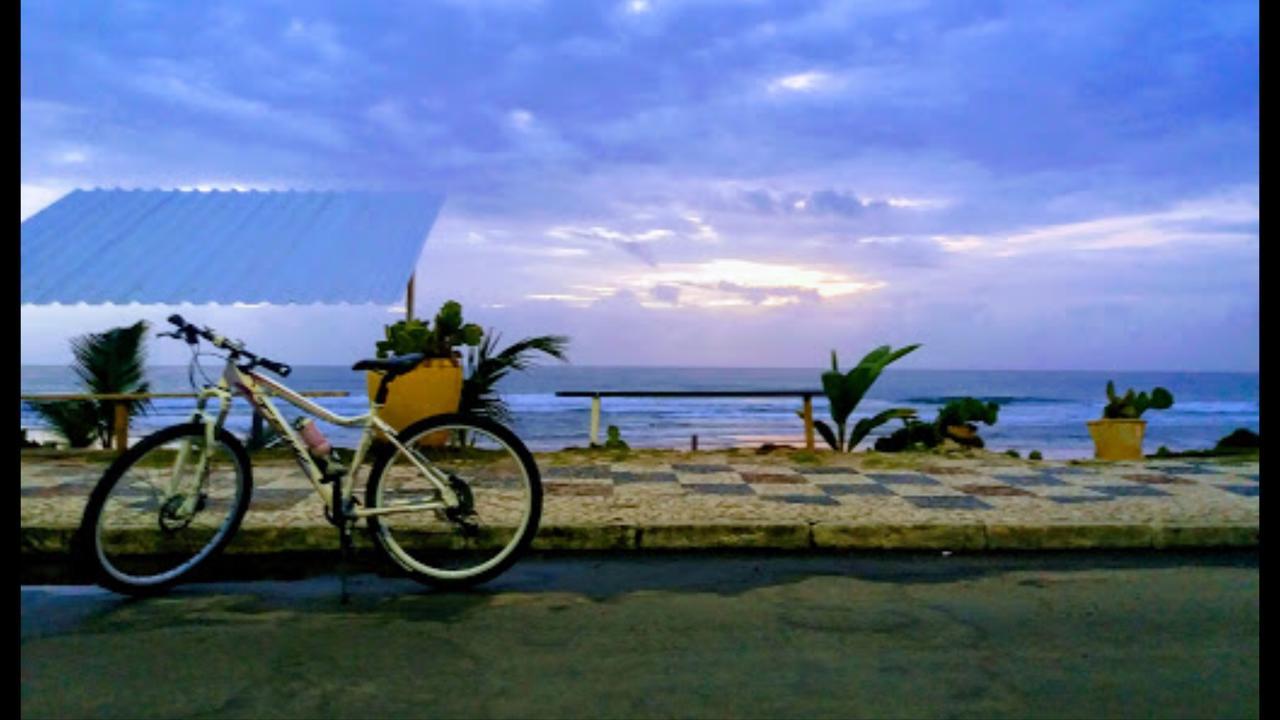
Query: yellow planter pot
432, 388
1117, 439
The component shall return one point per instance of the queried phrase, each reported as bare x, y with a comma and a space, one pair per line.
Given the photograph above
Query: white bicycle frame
258, 390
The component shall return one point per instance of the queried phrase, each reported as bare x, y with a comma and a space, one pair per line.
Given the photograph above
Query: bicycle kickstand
344, 543
345, 522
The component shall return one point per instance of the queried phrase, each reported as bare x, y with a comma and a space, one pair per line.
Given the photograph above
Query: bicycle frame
259, 389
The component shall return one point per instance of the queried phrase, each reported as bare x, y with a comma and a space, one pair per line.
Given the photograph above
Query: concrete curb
250, 541
274, 553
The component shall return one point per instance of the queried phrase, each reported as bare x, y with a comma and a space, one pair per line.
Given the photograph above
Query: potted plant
435, 386
1118, 435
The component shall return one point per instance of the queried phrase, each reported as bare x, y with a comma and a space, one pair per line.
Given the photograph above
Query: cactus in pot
1118, 435
435, 386
411, 336
1130, 406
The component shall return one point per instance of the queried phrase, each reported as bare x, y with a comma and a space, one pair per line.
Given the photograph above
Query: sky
1015, 185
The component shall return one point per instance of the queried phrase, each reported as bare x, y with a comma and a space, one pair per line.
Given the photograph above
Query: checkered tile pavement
945, 488
1048, 492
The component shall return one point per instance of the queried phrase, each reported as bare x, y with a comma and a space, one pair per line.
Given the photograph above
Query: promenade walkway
738, 499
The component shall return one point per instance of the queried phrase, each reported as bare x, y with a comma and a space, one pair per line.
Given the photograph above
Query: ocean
1039, 410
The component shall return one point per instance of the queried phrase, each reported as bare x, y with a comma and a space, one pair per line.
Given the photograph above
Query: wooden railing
120, 424
596, 395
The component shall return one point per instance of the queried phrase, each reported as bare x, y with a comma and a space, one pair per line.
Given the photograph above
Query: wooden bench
596, 396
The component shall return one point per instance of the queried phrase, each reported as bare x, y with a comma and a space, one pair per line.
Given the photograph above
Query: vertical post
808, 422
255, 434
408, 298
693, 443
121, 425
595, 419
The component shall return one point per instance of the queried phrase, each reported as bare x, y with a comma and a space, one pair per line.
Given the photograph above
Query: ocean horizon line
771, 367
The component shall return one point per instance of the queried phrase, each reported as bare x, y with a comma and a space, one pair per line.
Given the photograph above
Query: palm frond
76, 421
486, 366
114, 362
106, 363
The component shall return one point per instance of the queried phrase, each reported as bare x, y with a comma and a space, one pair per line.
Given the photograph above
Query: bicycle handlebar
191, 333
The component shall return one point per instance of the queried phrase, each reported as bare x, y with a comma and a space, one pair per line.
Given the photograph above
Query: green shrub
913, 435
1239, 439
955, 421
614, 440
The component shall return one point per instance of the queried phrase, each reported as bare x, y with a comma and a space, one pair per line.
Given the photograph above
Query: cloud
805, 82
704, 231
392, 115
827, 201
178, 85
71, 157
319, 36
637, 244
837, 203
900, 143
669, 294
520, 119
725, 282
1229, 218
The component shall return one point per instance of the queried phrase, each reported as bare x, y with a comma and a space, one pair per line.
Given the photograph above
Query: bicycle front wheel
495, 479
163, 508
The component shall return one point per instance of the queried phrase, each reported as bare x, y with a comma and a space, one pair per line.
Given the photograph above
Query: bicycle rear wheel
491, 471
164, 508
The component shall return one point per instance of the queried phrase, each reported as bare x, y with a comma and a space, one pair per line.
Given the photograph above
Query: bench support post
121, 425
595, 419
808, 422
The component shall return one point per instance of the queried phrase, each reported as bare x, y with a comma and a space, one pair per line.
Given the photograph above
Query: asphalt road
919, 636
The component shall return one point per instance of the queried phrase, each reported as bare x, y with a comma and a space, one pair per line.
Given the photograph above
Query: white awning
171, 247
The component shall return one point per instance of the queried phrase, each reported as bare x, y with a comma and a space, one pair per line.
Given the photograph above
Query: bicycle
452, 500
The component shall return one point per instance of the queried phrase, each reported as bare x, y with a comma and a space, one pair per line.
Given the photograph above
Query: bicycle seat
395, 365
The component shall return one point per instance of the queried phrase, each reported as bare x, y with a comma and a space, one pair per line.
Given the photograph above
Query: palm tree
109, 362
486, 366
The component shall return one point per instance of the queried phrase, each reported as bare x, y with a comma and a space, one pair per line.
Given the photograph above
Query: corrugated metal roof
169, 247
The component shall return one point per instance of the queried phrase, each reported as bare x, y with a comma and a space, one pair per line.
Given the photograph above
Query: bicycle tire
497, 487
90, 552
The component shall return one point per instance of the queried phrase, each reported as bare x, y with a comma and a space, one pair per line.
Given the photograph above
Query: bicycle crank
172, 518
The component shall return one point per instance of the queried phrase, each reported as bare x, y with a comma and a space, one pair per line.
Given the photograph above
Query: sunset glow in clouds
1015, 185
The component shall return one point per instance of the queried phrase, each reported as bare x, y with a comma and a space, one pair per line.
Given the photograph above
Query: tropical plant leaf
839, 395
845, 391
486, 367
827, 434
76, 421
112, 362
864, 426
874, 356
899, 353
